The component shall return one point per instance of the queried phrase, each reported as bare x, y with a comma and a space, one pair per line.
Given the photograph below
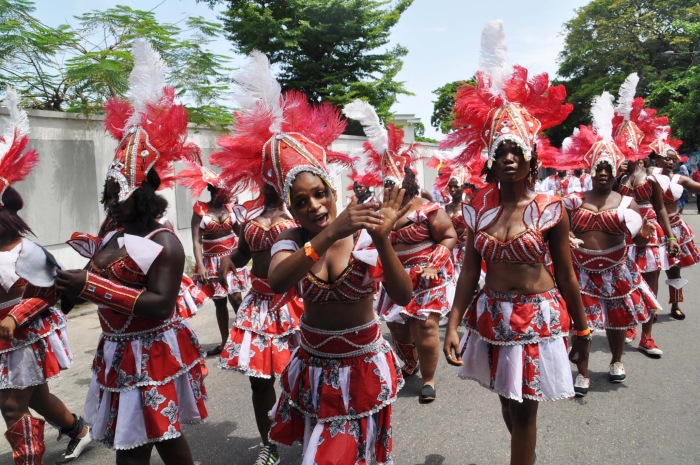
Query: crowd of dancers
530, 268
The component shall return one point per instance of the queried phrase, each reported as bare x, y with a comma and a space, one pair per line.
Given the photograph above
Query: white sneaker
617, 372
581, 385
75, 448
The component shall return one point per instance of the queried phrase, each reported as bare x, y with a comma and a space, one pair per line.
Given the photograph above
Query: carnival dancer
614, 294
33, 333
584, 178
638, 125
423, 239
214, 235
667, 156
516, 326
147, 378
561, 183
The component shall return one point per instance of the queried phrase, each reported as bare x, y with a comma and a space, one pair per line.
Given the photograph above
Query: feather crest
256, 83
146, 80
371, 124
602, 113
625, 97
494, 55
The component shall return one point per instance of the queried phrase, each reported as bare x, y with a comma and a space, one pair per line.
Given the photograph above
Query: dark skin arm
162, 286
688, 183
642, 237
568, 285
202, 273
657, 201
240, 256
443, 233
467, 282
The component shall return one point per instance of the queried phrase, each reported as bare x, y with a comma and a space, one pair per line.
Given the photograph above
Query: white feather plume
256, 83
602, 113
147, 79
494, 55
17, 121
566, 143
663, 133
371, 124
625, 97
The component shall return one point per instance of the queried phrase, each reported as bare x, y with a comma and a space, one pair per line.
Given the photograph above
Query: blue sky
442, 37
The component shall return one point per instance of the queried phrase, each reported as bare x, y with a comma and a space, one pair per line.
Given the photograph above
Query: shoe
215, 351
581, 386
443, 321
75, 447
408, 373
427, 394
268, 456
677, 314
649, 347
630, 335
617, 373
656, 317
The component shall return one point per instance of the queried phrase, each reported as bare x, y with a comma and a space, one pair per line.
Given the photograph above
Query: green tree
329, 49
443, 108
420, 134
609, 39
76, 69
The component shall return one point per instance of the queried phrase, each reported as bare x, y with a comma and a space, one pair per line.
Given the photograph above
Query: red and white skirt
430, 296
38, 352
524, 354
653, 256
690, 254
212, 251
190, 298
263, 335
145, 385
336, 397
614, 294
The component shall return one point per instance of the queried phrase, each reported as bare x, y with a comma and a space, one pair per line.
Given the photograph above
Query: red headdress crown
151, 129
276, 136
449, 170
664, 145
505, 105
589, 146
197, 177
638, 125
15, 163
383, 156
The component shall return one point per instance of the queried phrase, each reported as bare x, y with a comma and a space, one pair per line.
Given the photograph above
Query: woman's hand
355, 217
429, 273
451, 348
7, 328
391, 211
673, 248
202, 274
70, 282
580, 347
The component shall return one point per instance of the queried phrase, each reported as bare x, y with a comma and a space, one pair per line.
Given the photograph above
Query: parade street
651, 418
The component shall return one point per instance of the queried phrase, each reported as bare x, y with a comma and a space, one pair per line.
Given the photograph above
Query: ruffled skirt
614, 294
336, 397
237, 282
263, 335
690, 254
429, 296
190, 299
145, 385
653, 256
37, 354
523, 353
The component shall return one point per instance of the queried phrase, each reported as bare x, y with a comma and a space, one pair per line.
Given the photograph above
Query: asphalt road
652, 418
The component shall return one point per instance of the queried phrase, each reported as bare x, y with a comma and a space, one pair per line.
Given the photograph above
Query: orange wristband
310, 252
584, 333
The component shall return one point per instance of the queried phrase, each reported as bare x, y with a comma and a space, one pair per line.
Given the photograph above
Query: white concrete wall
62, 195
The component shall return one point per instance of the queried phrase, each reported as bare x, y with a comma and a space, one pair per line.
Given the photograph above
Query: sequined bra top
641, 194
529, 246
261, 237
209, 225
619, 220
354, 283
417, 229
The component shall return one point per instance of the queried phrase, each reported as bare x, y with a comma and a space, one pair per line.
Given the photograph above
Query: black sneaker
268, 456
427, 394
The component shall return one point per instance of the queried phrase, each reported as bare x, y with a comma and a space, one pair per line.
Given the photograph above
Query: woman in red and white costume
147, 378
515, 344
33, 339
638, 126
667, 156
614, 294
423, 239
214, 235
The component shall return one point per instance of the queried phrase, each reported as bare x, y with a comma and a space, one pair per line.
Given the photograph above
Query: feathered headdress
383, 157
638, 125
151, 128
589, 146
197, 177
505, 105
276, 136
448, 170
15, 163
663, 144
